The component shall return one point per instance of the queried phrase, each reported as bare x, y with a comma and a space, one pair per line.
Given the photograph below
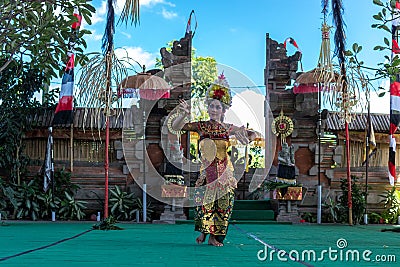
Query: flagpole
367, 158
53, 212
71, 147
144, 196
52, 161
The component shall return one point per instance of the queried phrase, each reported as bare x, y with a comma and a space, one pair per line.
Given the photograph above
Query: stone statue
286, 165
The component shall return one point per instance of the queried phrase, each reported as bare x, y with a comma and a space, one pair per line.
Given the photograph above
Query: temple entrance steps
246, 211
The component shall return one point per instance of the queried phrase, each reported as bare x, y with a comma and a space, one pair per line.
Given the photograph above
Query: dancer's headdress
220, 90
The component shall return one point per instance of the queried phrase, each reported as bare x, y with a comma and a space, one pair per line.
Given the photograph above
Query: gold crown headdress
220, 90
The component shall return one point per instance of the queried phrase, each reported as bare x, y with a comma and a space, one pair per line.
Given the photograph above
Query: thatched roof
311, 77
42, 118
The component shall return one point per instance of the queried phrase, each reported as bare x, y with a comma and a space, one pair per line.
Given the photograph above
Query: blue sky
233, 32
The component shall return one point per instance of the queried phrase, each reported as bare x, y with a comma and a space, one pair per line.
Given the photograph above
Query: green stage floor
71, 244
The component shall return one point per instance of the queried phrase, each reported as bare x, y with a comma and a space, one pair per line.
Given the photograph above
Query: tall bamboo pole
349, 193
340, 51
106, 168
107, 115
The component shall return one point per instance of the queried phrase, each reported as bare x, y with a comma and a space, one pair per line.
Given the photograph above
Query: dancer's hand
184, 107
241, 135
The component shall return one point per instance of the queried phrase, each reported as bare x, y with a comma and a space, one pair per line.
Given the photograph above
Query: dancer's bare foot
201, 238
213, 242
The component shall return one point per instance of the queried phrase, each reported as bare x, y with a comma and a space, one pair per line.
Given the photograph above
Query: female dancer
214, 194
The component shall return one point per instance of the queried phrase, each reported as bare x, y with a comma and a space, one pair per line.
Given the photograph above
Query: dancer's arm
244, 135
181, 121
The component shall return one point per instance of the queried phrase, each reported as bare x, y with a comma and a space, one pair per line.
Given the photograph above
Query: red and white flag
394, 101
64, 111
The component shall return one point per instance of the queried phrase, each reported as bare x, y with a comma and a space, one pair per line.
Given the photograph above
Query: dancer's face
215, 110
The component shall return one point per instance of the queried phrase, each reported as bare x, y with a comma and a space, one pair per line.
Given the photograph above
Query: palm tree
103, 73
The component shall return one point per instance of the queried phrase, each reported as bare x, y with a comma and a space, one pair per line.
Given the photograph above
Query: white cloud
168, 14
154, 2
100, 13
97, 37
94, 36
127, 35
139, 54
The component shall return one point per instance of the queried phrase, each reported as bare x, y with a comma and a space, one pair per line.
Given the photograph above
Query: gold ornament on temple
283, 126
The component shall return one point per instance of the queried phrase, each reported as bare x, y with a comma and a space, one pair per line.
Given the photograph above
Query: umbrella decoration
313, 82
150, 87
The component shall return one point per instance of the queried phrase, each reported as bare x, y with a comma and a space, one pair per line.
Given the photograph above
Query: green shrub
391, 204
122, 204
71, 209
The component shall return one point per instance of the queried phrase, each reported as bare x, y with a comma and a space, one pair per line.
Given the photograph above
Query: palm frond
97, 87
130, 12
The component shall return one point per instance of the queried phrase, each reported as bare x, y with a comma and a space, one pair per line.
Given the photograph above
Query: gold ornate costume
215, 186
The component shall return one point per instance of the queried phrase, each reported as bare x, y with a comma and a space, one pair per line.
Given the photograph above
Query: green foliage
257, 159
374, 218
339, 211
272, 185
71, 209
139, 208
51, 201
63, 183
107, 224
38, 34
391, 202
121, 203
27, 201
17, 87
309, 217
7, 198
358, 199
204, 73
33, 41
47, 203
333, 210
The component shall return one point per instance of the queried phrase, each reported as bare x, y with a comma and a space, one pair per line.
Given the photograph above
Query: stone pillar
288, 211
